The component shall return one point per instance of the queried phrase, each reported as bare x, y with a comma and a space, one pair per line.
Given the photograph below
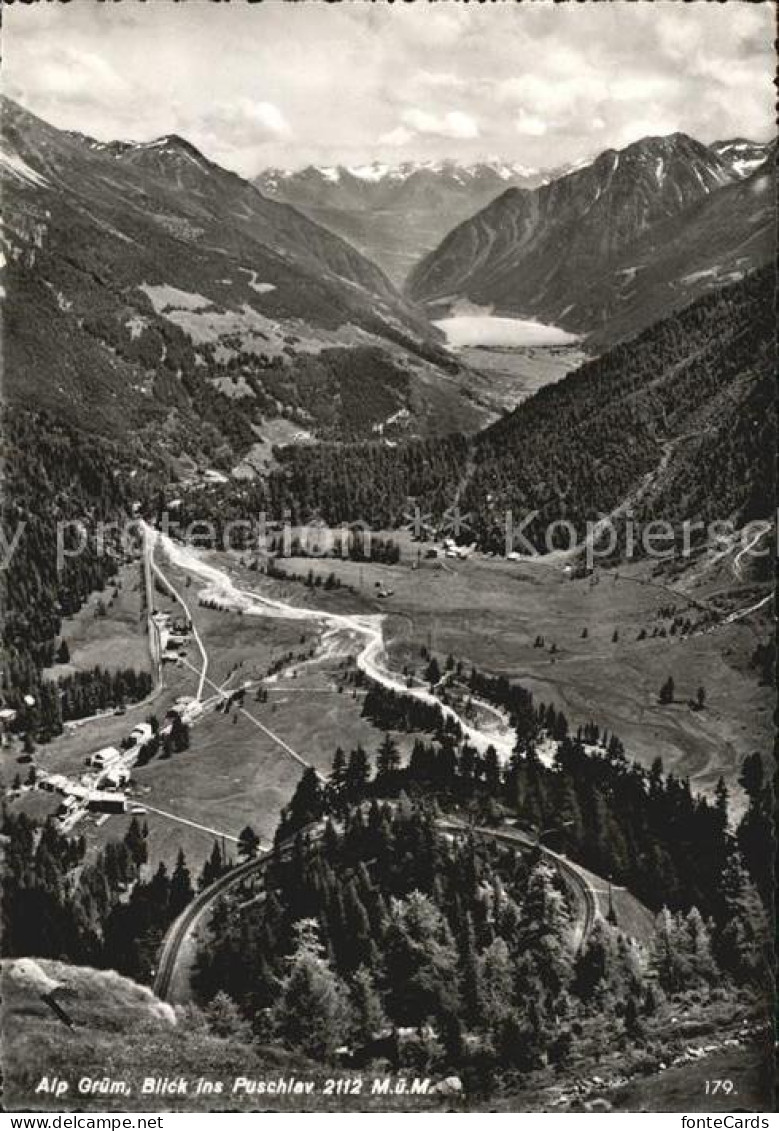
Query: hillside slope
678, 419
121, 1032
176, 297
676, 422
611, 247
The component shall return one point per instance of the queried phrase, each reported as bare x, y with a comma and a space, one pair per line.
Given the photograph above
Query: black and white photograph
387, 559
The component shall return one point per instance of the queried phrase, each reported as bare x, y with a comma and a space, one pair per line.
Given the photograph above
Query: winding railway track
584, 896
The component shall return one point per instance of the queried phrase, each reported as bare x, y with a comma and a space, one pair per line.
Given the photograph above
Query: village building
106, 801
104, 758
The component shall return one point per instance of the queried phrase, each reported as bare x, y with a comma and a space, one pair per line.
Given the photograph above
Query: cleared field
509, 376
489, 612
233, 774
115, 639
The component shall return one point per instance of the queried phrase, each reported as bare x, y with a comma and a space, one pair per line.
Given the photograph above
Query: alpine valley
387, 631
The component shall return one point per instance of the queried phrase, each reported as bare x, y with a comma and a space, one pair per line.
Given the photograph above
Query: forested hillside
383, 923
675, 401
677, 421
59, 485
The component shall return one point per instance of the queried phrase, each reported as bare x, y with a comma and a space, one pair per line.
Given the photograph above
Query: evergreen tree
697, 944
357, 772
212, 869
668, 958
545, 931
136, 843
248, 843
338, 772
308, 803
312, 1011
755, 831
368, 1018
667, 691
421, 960
181, 891
496, 980
225, 1020
387, 757
742, 939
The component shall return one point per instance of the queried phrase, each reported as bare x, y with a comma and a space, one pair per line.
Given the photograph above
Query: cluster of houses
173, 635
101, 790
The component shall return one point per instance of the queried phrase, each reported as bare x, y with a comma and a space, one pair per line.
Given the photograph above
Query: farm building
104, 801
104, 758
142, 733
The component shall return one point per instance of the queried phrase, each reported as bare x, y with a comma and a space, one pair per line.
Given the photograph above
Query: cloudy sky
276, 83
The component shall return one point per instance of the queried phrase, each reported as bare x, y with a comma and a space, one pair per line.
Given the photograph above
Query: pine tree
338, 772
755, 831
136, 843
225, 1020
469, 973
212, 869
742, 939
387, 757
368, 1017
698, 947
307, 802
357, 772
496, 979
312, 1011
668, 958
545, 932
181, 891
421, 961
248, 843
593, 971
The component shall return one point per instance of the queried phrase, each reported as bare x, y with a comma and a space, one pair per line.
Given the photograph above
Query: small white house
104, 758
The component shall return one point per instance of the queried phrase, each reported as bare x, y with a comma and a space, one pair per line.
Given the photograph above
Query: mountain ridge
176, 296
391, 212
544, 252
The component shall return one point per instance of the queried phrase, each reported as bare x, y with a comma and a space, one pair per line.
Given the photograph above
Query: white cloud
453, 123
530, 125
397, 137
268, 116
293, 84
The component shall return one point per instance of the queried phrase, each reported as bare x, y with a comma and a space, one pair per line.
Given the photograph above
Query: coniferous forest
693, 393
374, 931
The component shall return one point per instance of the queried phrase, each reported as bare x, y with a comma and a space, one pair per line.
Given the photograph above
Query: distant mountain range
148, 287
606, 249
395, 213
182, 303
